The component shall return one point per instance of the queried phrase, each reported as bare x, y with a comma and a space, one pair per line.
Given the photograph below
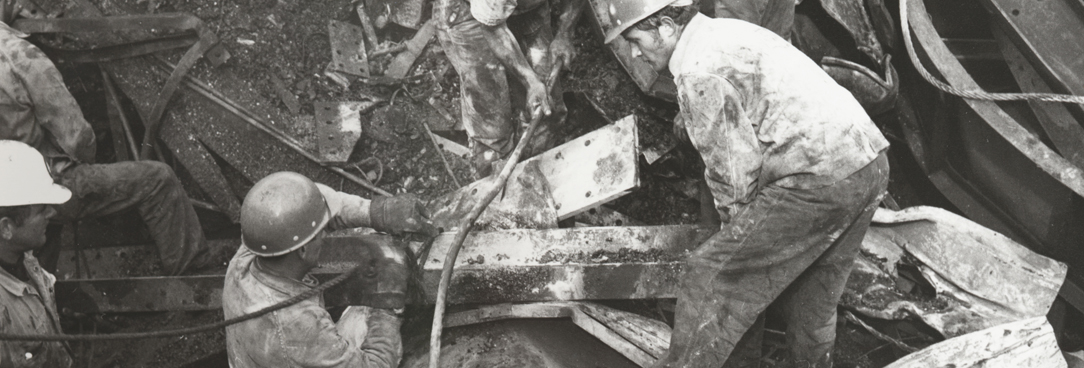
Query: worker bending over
503, 50
37, 109
795, 166
283, 219
27, 302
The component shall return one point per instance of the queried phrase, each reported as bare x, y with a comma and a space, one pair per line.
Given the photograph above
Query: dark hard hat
282, 212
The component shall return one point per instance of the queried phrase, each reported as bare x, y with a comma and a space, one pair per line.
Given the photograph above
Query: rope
972, 94
185, 331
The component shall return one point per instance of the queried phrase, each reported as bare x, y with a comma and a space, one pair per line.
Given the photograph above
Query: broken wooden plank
1028, 343
527, 203
650, 335
605, 168
494, 267
402, 63
612, 339
638, 338
348, 49
489, 313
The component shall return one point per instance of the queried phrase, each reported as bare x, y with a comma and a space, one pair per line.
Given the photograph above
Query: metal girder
955, 74
380, 283
1048, 32
493, 267
1004, 126
1064, 130
114, 52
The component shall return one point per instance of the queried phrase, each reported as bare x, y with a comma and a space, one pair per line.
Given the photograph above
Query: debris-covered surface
281, 49
967, 277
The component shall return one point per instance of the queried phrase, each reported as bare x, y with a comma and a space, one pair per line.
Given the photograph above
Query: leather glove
400, 214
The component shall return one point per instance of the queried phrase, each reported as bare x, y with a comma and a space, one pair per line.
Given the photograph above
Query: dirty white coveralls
796, 168
29, 307
303, 335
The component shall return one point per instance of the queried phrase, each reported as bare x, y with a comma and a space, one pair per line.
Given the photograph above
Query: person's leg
483, 86
534, 31
731, 278
153, 189
810, 302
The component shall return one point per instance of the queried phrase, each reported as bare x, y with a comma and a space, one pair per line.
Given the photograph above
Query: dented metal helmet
616, 16
282, 212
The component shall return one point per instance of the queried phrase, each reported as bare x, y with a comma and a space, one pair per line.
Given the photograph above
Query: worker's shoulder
724, 41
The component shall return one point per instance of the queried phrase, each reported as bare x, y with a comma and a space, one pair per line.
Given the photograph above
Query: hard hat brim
51, 194
616, 32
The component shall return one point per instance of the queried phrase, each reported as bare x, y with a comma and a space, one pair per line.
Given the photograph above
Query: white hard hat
24, 178
618, 15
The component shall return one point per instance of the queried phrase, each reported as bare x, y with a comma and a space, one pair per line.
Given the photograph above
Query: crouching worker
27, 303
283, 219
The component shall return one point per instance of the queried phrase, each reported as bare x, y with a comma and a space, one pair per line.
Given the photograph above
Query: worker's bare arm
504, 46
561, 47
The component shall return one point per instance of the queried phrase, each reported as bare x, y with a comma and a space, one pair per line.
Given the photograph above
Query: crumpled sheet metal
1025, 343
982, 278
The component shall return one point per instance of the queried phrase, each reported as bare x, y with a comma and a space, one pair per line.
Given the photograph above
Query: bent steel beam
1008, 128
495, 267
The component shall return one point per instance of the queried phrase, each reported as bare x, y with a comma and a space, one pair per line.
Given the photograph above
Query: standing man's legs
485, 107
534, 31
153, 189
731, 278
809, 304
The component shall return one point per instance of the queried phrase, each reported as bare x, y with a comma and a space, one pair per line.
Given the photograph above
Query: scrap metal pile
335, 102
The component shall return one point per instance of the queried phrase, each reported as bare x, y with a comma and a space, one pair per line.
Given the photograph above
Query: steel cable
972, 94
184, 331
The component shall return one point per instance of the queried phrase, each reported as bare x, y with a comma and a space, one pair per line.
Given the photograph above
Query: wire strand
184, 331
972, 94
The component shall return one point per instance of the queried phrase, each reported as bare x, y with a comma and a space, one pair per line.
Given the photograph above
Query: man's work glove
400, 214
